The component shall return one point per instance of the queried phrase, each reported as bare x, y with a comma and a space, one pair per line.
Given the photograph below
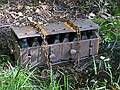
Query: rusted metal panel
56, 28
84, 48
32, 56
36, 56
94, 46
56, 50
25, 32
16, 50
85, 24
66, 50
34, 52
24, 56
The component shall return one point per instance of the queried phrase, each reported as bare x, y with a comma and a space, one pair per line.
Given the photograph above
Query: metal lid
25, 32
57, 28
85, 24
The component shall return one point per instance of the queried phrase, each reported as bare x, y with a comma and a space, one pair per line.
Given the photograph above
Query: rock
73, 52
20, 14
91, 15
37, 10
40, 23
30, 18
20, 6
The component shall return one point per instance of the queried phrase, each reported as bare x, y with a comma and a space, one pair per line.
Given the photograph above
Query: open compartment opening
88, 35
30, 42
60, 38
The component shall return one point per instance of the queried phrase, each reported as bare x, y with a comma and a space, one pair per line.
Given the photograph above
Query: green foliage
3, 1
117, 11
108, 81
4, 59
109, 32
52, 83
14, 78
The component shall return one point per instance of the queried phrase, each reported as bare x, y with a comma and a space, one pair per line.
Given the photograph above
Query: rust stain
68, 26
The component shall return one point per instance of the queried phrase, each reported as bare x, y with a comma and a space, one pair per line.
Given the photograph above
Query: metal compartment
35, 56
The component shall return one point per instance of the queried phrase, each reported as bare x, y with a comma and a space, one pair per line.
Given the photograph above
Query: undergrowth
15, 78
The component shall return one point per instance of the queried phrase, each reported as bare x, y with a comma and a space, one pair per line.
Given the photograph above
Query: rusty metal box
57, 52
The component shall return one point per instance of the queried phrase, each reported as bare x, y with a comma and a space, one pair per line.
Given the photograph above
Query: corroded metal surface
85, 24
64, 50
56, 28
25, 32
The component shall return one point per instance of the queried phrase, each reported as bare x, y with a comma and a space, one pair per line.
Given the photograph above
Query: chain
78, 43
74, 27
45, 47
43, 36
